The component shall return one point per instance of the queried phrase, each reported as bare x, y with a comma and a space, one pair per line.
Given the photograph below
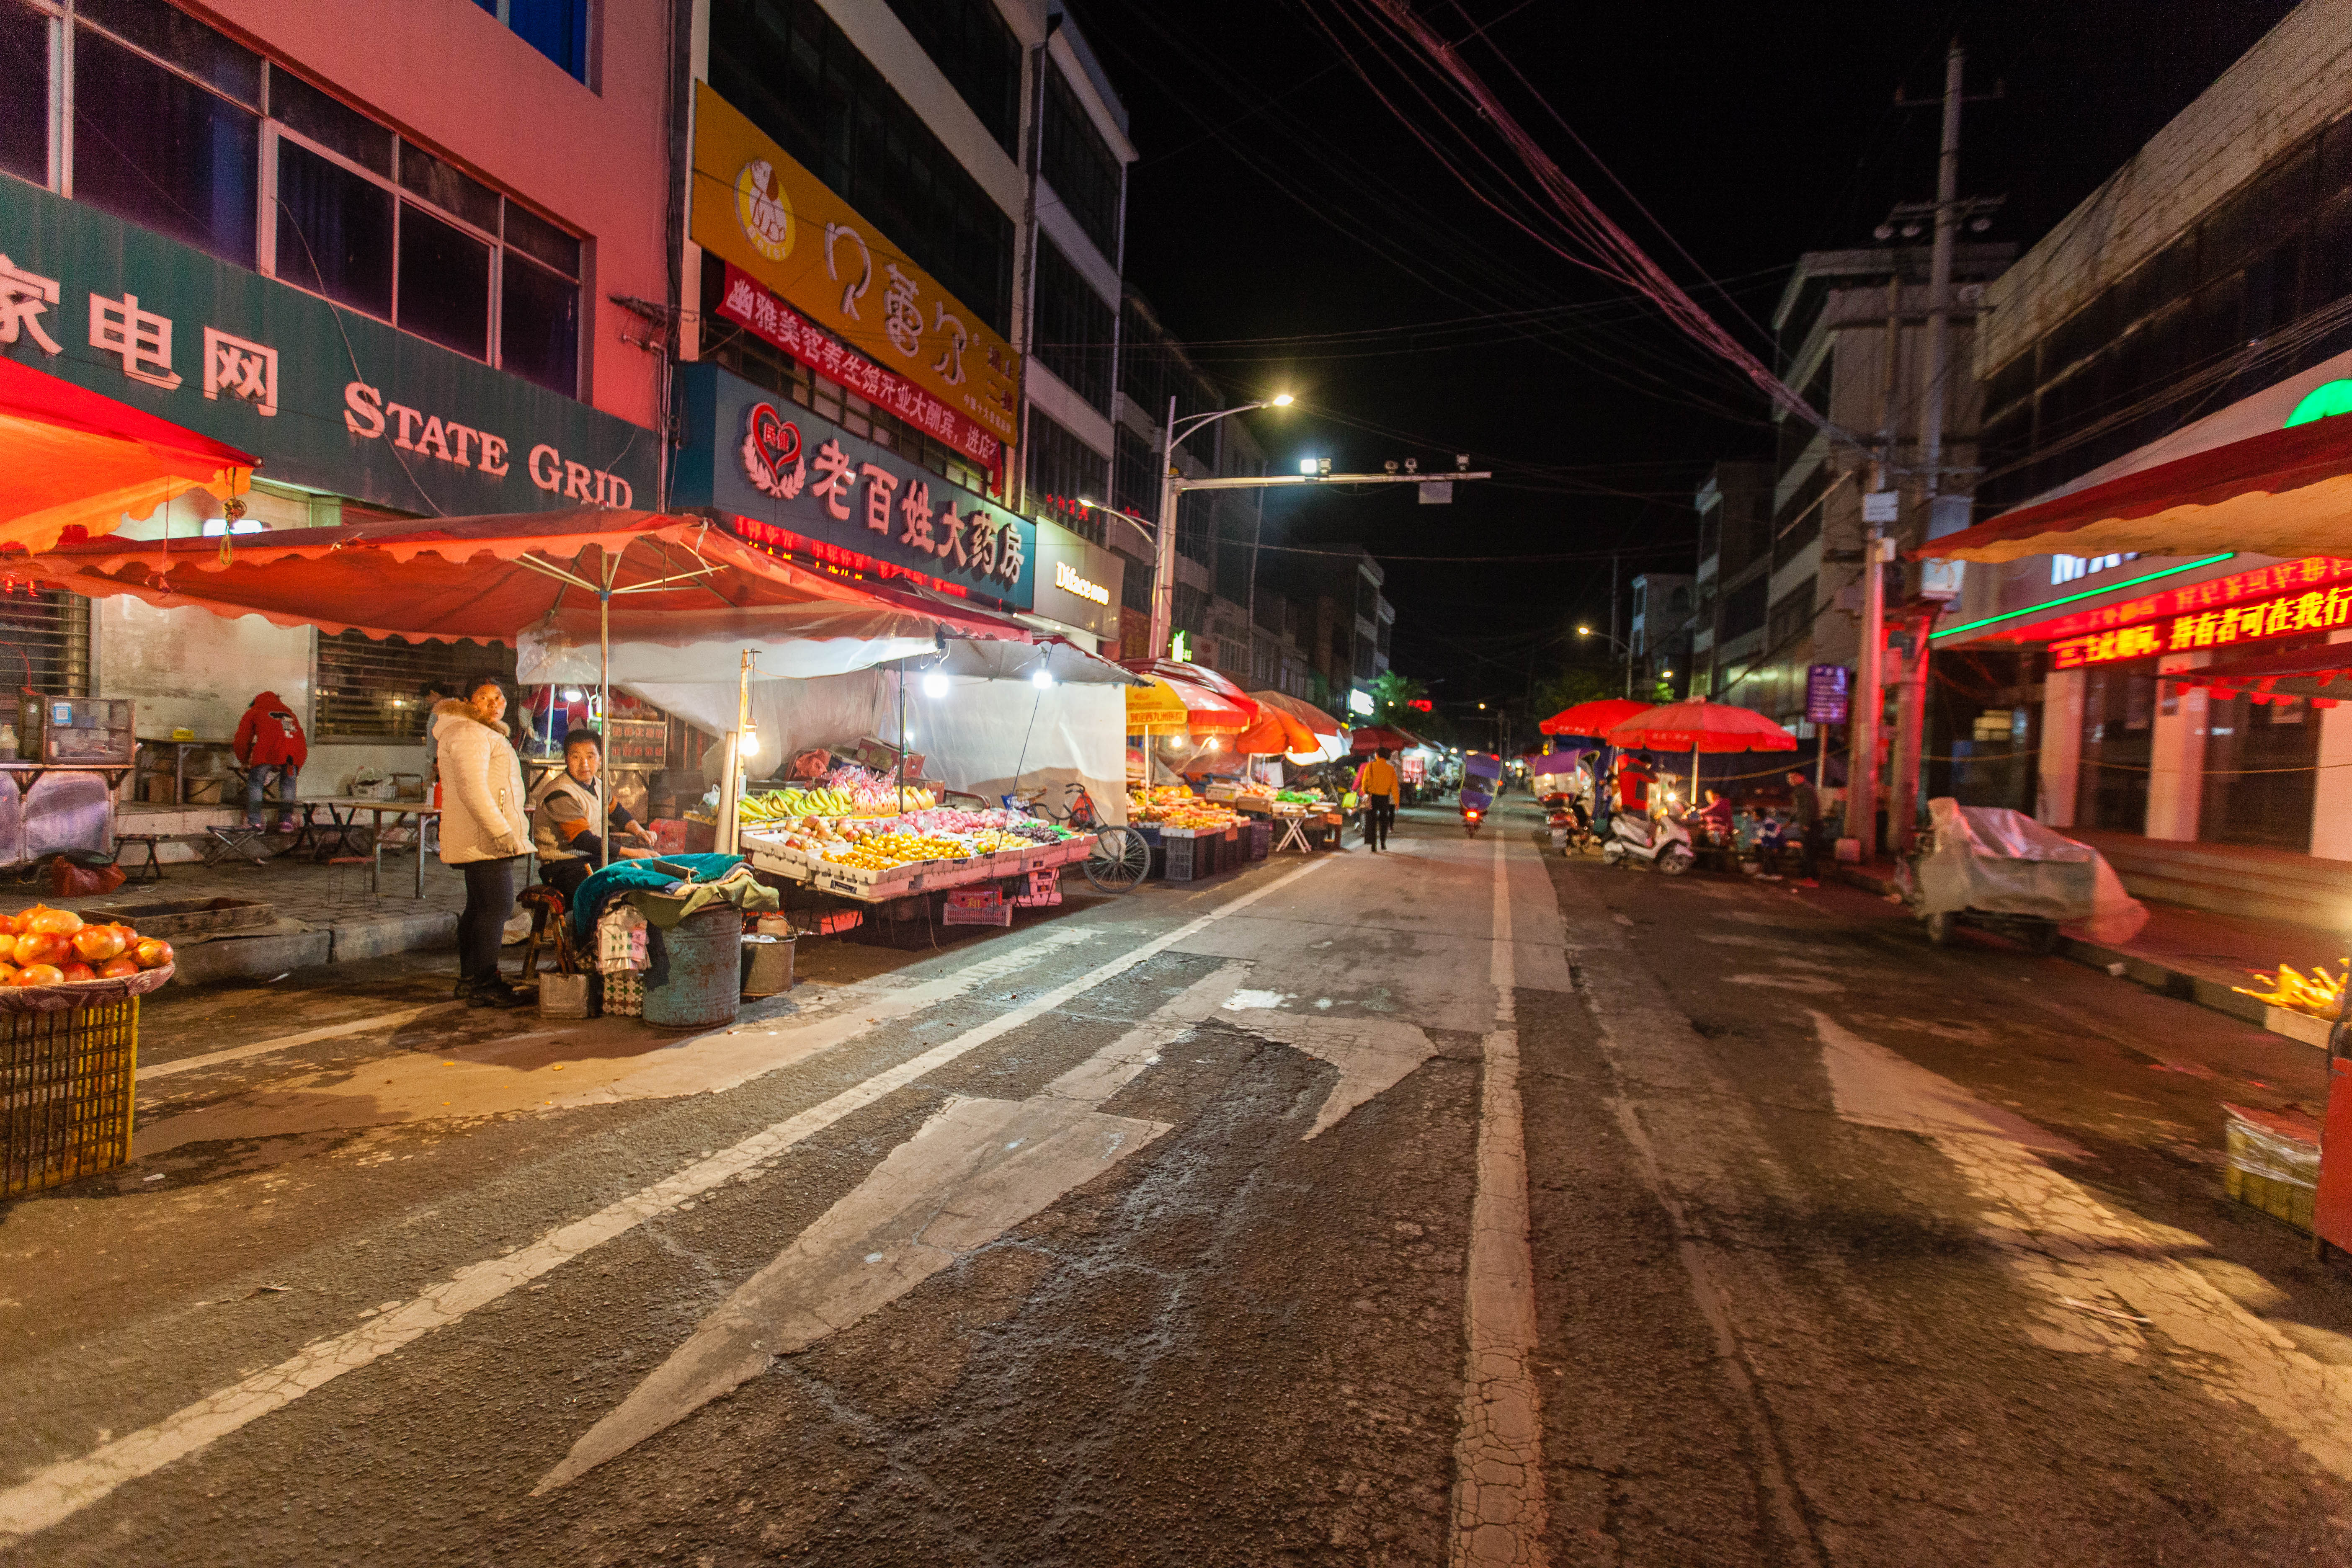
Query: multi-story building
1777, 579
1662, 629
903, 223
2201, 294
283, 226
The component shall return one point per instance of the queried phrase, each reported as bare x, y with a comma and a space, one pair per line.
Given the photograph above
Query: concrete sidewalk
325, 914
2197, 955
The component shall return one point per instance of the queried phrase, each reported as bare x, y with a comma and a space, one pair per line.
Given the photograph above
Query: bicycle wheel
1121, 857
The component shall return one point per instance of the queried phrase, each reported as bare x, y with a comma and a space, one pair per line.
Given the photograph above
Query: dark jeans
566, 876
489, 899
1380, 816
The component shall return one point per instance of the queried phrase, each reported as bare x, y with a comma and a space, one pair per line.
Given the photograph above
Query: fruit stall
851, 838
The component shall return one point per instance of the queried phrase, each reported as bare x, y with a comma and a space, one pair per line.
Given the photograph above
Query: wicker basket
68, 1061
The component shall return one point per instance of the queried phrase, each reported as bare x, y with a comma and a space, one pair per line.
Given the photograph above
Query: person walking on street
484, 831
269, 741
1808, 803
1376, 781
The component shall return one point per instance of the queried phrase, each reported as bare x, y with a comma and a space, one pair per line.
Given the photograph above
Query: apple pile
42, 946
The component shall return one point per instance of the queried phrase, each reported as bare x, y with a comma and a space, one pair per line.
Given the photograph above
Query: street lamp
1589, 632
1163, 564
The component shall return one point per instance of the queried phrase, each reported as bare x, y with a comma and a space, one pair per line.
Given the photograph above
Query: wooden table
343, 816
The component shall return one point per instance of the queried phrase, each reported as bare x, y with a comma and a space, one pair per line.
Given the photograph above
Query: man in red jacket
269, 739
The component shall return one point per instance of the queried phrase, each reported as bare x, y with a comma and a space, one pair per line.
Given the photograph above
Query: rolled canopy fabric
2322, 674
2287, 493
76, 458
1700, 725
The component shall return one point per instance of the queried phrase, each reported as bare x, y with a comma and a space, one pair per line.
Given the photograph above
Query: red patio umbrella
1595, 718
1372, 737
1698, 726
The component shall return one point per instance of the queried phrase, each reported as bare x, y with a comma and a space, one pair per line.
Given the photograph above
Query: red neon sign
2237, 587
783, 544
2290, 614
1422, 705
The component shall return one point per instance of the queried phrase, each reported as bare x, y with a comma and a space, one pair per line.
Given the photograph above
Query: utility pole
1163, 560
1939, 274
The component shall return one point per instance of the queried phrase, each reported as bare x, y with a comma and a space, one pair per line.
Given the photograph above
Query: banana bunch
790, 805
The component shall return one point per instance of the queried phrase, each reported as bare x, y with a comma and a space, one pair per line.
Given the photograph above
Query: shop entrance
2260, 777
2118, 743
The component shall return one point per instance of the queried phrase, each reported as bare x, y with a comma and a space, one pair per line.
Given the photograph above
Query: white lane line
392, 1020
57, 1491
1500, 1510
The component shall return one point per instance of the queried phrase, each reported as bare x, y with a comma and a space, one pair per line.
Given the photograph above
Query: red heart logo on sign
777, 439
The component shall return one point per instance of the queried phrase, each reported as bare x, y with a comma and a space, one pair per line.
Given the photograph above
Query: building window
24, 91
798, 78
1079, 164
170, 124
2117, 746
382, 689
2066, 568
556, 28
978, 54
161, 147
1135, 474
1074, 327
1060, 465
1790, 619
45, 641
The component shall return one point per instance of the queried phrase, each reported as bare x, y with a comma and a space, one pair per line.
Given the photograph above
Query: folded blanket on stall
667, 890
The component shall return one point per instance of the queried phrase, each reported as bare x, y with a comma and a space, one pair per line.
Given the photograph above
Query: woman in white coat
485, 829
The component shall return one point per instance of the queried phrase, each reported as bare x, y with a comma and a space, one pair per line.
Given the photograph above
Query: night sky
1285, 220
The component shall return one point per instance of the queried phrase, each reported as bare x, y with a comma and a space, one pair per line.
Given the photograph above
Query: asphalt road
1458, 1205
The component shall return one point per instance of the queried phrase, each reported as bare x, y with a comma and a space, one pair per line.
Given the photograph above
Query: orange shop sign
2290, 615
771, 219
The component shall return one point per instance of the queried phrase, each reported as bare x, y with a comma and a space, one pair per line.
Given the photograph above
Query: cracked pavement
1459, 1205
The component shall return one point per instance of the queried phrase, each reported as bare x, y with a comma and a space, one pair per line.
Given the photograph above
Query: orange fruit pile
42, 946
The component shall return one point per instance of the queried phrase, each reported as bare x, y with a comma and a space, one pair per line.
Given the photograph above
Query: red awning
1372, 737
2323, 673
487, 578
77, 459
2287, 493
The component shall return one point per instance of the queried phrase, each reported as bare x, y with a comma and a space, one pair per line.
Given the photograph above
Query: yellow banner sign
757, 208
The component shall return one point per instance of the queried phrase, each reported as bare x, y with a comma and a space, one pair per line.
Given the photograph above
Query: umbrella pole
605, 709
1693, 793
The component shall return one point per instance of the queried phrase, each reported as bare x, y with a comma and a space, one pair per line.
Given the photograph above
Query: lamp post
1163, 564
1589, 632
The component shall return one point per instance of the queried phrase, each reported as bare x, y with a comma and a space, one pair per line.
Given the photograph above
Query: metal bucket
767, 965
706, 972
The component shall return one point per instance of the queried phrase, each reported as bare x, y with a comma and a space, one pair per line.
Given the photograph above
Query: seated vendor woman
562, 807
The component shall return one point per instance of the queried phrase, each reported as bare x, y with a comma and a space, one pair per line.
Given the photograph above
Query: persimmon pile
42, 946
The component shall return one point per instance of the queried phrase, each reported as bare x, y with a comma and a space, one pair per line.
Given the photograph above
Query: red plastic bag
67, 880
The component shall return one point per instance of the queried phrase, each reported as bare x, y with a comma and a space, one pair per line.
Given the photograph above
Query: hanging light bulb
934, 684
748, 743
1042, 679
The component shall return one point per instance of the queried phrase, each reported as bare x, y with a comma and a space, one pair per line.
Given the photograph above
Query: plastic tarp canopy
797, 641
2004, 862
989, 737
1555, 762
1482, 765
77, 459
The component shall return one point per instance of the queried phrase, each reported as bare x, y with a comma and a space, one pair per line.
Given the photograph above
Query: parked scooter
1662, 842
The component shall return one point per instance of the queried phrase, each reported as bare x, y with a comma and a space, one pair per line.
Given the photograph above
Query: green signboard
327, 398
